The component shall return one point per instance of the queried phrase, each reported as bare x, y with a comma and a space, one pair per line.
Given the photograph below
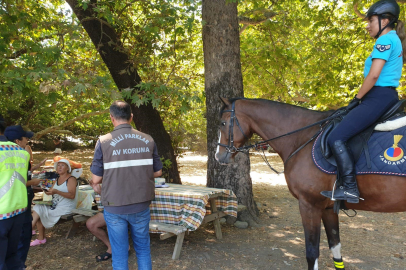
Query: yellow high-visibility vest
13, 178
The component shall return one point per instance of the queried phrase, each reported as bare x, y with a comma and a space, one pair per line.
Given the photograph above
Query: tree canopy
309, 53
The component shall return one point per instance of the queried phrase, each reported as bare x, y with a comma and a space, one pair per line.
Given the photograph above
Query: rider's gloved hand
353, 103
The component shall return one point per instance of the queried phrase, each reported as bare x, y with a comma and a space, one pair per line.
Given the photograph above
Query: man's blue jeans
117, 226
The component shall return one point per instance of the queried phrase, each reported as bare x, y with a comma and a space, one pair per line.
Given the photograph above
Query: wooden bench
170, 230
77, 216
167, 230
73, 228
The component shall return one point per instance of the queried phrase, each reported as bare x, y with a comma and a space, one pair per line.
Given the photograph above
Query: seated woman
64, 197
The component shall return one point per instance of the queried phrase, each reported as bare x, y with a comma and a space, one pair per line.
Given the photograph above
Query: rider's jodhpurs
373, 105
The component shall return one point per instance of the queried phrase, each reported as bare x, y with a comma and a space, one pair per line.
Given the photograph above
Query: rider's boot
346, 171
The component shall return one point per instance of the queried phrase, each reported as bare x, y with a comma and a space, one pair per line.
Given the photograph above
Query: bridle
230, 148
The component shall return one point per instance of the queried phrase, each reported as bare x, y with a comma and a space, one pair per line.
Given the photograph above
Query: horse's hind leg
311, 219
330, 221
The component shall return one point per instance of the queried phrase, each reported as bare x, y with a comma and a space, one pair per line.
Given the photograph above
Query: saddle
359, 142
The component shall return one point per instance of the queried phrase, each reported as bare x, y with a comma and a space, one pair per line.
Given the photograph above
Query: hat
58, 151
17, 132
384, 7
63, 161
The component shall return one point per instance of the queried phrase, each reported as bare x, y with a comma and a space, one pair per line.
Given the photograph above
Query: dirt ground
369, 241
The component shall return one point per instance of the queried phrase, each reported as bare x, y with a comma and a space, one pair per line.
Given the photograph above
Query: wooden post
216, 222
72, 229
178, 246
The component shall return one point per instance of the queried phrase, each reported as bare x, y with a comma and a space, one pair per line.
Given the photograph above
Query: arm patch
382, 48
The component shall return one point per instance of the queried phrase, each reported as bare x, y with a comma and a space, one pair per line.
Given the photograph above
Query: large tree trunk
223, 77
113, 53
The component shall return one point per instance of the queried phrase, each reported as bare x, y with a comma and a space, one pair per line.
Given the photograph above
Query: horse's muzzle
224, 158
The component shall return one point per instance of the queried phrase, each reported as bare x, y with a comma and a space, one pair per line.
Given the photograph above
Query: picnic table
191, 206
181, 208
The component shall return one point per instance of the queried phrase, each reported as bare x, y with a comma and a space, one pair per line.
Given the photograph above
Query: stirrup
345, 192
332, 192
355, 196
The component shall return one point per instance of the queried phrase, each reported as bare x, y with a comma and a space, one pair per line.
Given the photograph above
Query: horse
241, 118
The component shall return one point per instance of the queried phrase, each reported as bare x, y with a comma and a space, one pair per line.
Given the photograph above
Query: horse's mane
270, 102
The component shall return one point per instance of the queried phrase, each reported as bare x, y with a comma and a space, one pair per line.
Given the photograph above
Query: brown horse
270, 119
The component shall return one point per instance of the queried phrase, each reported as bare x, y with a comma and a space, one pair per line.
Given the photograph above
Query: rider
382, 72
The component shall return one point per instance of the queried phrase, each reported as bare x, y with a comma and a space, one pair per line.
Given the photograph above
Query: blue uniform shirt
389, 48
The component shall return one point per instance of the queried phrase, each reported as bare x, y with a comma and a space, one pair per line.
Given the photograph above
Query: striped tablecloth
187, 205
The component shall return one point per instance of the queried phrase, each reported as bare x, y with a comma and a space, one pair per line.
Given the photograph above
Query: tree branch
246, 21
18, 53
38, 135
359, 14
97, 19
80, 136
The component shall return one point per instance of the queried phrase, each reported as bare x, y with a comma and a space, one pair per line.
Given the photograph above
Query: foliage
163, 41
310, 54
167, 163
49, 73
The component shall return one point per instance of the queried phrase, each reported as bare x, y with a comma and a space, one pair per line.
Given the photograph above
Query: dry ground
369, 241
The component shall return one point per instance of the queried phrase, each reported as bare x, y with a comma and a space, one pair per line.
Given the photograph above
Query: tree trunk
223, 77
113, 53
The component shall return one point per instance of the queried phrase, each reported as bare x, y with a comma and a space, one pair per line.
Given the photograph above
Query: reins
333, 116
230, 148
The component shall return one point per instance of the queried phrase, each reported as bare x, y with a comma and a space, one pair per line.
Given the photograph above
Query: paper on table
46, 198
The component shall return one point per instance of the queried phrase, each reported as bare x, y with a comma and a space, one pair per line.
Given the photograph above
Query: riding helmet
384, 7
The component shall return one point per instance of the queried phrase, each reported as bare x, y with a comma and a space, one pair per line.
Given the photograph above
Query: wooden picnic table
180, 208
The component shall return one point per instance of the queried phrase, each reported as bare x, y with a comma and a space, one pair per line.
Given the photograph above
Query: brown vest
128, 176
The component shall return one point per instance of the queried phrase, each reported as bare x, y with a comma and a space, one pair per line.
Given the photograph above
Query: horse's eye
223, 124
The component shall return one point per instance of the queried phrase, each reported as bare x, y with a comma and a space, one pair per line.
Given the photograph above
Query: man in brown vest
126, 162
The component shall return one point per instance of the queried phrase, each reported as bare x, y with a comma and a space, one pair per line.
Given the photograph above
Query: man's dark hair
2, 124
120, 110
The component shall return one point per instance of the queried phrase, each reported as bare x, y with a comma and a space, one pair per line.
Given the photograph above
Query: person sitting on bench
96, 226
64, 198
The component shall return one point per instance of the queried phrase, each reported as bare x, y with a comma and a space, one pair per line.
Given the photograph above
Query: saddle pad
386, 150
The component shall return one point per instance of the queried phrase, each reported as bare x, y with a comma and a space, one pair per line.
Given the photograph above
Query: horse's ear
225, 101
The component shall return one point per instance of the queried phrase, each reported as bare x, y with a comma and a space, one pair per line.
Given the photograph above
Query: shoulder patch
382, 48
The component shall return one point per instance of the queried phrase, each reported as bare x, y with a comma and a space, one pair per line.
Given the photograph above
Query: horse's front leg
330, 221
311, 219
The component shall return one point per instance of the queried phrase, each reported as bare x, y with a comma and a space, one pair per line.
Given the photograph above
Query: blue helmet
384, 7
388, 9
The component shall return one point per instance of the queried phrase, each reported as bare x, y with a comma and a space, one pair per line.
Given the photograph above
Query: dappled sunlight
369, 239
286, 253
193, 180
190, 156
353, 260
297, 241
361, 226
278, 234
193, 168
271, 179
211, 240
272, 226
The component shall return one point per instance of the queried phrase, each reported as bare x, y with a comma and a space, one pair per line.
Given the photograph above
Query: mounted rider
382, 72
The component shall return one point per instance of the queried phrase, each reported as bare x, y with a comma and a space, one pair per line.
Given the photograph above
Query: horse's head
234, 131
